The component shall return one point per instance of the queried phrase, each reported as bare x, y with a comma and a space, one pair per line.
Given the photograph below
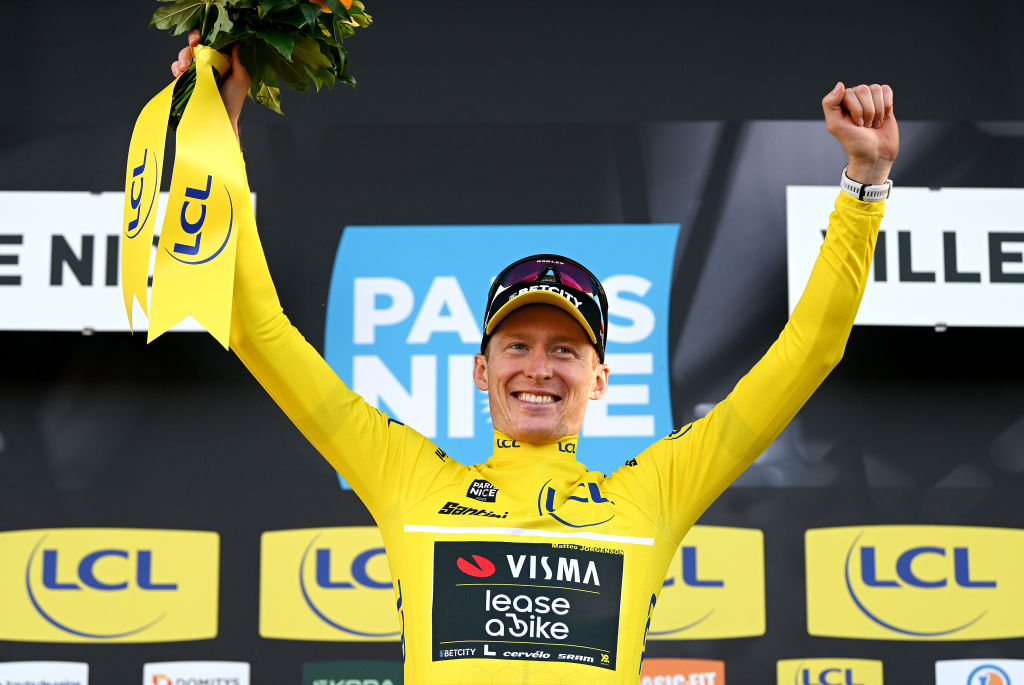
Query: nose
538, 365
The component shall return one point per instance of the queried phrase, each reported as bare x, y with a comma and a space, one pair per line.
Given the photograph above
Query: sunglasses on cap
549, 279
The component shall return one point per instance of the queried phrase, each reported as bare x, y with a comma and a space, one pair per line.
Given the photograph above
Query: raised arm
682, 474
381, 458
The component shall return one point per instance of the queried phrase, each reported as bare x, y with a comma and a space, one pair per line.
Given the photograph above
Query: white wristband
864, 192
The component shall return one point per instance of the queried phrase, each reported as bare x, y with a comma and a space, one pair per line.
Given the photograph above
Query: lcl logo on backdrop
330, 584
196, 673
714, 587
953, 256
108, 585
979, 672
682, 672
406, 305
829, 672
40, 672
915, 582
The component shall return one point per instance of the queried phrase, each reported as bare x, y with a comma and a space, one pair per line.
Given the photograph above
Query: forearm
814, 338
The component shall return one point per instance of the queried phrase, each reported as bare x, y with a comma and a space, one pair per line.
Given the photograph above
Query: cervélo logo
108, 585
330, 584
979, 672
829, 672
714, 587
915, 582
406, 305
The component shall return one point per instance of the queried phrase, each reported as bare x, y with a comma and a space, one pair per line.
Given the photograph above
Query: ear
600, 386
480, 371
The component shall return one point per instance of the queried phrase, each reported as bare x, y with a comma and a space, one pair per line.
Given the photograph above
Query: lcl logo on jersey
584, 508
915, 582
829, 672
108, 585
330, 584
714, 587
979, 672
192, 217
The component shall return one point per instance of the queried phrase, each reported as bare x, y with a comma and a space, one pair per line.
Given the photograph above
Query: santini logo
109, 585
915, 582
455, 509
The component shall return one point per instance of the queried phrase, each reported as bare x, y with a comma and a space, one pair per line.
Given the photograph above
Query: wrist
865, 192
869, 172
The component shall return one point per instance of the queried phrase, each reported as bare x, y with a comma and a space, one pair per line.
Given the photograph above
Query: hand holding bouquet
290, 42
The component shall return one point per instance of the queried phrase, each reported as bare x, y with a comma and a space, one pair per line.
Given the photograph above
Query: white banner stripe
468, 530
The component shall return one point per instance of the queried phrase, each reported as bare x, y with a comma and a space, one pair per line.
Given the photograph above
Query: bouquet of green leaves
280, 41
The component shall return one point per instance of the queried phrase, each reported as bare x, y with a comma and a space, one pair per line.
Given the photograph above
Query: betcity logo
550, 288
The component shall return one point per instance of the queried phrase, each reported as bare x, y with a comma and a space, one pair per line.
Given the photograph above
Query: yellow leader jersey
529, 568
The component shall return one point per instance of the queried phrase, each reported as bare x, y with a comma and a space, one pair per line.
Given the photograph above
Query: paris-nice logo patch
482, 491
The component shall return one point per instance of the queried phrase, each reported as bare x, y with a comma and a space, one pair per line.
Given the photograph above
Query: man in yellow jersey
529, 568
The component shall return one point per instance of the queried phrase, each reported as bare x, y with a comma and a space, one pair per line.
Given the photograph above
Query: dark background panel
478, 112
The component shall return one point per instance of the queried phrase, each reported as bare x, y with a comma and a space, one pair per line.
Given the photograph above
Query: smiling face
539, 371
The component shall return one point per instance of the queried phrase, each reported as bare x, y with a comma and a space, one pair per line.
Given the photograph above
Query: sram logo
714, 587
829, 672
108, 585
915, 582
326, 584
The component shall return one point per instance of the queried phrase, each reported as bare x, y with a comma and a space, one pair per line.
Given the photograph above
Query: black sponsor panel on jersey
526, 601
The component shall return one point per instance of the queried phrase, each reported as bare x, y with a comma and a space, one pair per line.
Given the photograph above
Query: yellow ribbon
141, 198
207, 207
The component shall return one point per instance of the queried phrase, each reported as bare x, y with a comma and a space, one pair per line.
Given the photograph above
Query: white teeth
536, 399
